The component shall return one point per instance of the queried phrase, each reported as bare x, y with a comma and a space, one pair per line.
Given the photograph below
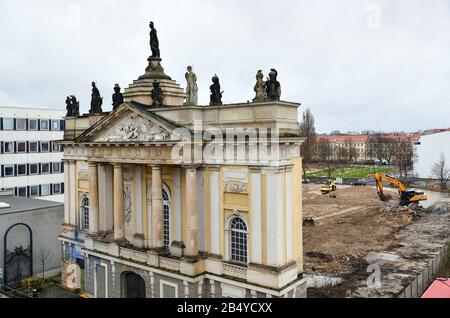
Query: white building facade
429, 151
30, 160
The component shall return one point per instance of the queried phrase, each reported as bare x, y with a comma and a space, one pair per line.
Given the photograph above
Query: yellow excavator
408, 197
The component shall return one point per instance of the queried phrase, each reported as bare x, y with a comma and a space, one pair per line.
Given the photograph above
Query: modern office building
30, 160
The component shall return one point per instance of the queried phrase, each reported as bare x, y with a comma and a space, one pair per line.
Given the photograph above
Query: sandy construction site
355, 226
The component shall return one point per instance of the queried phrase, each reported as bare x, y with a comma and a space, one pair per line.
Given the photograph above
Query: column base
177, 249
139, 241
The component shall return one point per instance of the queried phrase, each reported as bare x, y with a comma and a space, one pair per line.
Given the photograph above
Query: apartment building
30, 160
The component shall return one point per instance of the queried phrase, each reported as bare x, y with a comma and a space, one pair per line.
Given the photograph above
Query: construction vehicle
408, 197
330, 187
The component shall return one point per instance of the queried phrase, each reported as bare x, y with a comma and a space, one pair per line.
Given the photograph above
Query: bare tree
405, 156
342, 155
379, 148
352, 154
323, 150
308, 131
44, 257
441, 172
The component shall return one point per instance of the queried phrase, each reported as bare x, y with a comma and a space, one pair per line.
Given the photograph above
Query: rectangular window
56, 167
34, 191
44, 124
45, 189
45, 168
55, 147
45, 146
34, 146
21, 124
21, 170
8, 147
22, 192
55, 124
8, 171
34, 168
57, 188
8, 124
32, 124
21, 147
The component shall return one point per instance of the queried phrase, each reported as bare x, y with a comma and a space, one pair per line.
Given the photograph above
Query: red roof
342, 138
439, 289
415, 137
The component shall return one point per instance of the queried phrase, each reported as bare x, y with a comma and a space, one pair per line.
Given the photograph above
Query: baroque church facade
158, 208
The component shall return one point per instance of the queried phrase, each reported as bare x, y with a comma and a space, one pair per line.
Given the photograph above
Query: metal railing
12, 293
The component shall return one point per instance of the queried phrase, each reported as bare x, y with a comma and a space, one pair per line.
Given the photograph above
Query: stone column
119, 219
67, 206
72, 188
157, 209
191, 213
93, 198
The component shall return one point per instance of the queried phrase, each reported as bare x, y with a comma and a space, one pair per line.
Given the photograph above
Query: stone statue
192, 88
260, 87
96, 100
72, 106
273, 87
157, 95
117, 97
216, 94
154, 42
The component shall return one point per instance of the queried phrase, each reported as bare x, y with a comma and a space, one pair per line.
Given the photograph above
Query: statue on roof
72, 106
157, 95
216, 94
96, 100
260, 87
154, 42
273, 87
117, 97
192, 88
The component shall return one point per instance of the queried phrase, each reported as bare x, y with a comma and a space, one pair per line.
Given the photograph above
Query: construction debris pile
397, 210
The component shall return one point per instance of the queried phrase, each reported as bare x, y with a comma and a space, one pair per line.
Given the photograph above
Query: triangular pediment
133, 124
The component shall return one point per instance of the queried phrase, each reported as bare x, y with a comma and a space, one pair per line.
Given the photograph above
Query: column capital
191, 167
117, 165
155, 166
213, 167
92, 164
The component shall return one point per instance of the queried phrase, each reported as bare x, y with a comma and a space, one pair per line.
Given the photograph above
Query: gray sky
357, 64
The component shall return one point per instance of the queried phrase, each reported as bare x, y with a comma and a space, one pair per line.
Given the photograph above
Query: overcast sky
357, 64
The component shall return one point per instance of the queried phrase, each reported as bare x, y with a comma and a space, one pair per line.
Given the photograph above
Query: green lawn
349, 172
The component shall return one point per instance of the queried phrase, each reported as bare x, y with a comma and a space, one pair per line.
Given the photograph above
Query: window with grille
85, 213
238, 240
166, 218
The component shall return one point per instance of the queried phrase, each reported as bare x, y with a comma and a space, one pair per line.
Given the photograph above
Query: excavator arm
406, 196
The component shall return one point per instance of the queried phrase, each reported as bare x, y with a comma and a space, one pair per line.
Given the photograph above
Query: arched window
238, 240
166, 216
85, 213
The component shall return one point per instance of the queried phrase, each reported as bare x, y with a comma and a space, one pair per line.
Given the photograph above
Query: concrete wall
425, 278
45, 226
